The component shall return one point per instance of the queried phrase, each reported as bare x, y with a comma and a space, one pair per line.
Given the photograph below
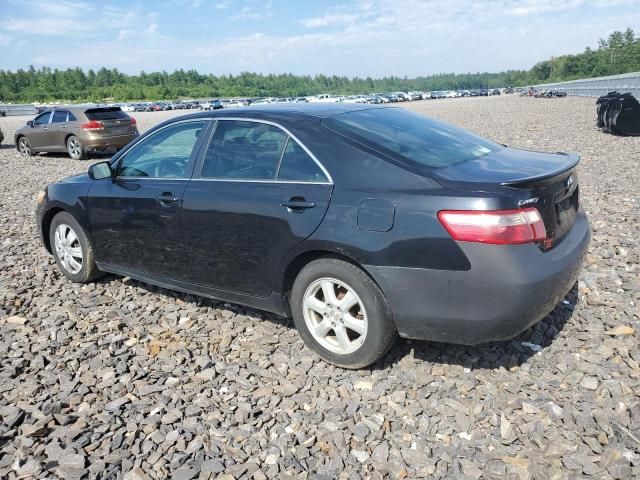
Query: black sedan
361, 222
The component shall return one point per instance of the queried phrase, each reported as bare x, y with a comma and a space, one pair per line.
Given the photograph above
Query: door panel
37, 135
135, 218
57, 130
236, 233
136, 224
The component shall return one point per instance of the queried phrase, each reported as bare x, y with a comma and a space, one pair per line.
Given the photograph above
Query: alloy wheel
24, 147
75, 149
68, 248
335, 315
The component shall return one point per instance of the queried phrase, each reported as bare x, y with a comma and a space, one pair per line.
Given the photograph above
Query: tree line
619, 53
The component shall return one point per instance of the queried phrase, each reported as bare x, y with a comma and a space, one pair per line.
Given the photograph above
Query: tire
75, 148
72, 242
24, 147
366, 320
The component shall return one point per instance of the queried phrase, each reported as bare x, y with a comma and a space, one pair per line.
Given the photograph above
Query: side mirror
101, 170
30, 123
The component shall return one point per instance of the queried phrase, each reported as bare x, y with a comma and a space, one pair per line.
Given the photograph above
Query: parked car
211, 105
235, 103
451, 237
77, 131
127, 107
1, 136
323, 98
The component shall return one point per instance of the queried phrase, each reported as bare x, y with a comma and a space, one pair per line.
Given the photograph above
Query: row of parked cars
391, 97
373, 98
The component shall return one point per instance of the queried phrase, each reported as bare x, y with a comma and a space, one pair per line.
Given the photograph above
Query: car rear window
396, 132
297, 165
105, 113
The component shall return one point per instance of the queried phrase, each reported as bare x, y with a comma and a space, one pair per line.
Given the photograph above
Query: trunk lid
508, 166
115, 121
547, 181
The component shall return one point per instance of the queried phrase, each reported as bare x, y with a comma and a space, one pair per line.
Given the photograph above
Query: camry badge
527, 201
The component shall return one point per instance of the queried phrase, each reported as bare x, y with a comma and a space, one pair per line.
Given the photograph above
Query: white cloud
329, 20
43, 26
124, 34
254, 10
535, 7
247, 13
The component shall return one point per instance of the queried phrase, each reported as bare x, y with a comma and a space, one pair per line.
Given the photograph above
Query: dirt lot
120, 379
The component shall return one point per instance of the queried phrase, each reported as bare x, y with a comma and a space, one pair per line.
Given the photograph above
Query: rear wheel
75, 148
341, 313
25, 147
72, 250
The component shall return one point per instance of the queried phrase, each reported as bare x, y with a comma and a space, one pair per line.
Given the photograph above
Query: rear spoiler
572, 161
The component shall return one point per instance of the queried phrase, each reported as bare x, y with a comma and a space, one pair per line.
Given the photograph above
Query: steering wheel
169, 168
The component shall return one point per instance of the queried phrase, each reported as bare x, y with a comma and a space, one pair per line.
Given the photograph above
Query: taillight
133, 122
92, 125
498, 227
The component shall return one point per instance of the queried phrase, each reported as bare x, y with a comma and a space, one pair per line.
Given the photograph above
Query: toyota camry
361, 222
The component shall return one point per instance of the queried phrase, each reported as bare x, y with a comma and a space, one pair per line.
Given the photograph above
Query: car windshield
107, 113
418, 139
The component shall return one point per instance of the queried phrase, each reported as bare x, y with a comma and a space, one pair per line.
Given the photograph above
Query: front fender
70, 197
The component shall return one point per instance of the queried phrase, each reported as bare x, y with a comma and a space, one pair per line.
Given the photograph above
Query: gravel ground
119, 379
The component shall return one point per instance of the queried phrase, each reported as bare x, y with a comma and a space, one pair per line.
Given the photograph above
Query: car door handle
45, 128
297, 203
64, 126
167, 198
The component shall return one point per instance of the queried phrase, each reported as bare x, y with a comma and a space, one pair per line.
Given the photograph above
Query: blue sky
353, 38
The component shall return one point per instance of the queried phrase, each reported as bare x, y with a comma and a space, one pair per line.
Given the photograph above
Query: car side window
72, 117
164, 154
244, 150
299, 166
42, 119
59, 116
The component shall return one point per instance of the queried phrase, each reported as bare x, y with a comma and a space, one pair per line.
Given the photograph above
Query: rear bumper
105, 143
507, 289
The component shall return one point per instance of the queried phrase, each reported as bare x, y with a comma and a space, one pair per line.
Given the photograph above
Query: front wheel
75, 148
341, 313
25, 147
72, 250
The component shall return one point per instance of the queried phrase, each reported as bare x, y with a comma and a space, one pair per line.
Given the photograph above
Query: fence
14, 109
595, 87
